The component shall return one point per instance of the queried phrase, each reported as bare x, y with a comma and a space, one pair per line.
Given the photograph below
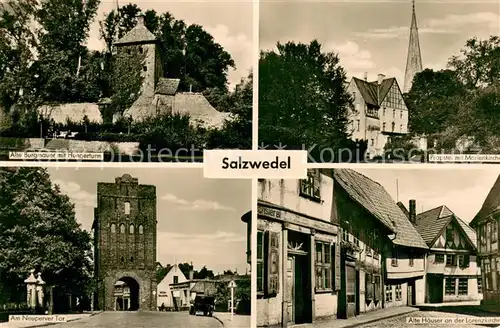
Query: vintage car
205, 304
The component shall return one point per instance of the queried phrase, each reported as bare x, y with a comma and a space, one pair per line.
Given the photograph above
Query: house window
144, 68
323, 266
310, 187
126, 208
176, 279
113, 228
383, 126
401, 128
388, 293
451, 260
141, 50
480, 285
393, 125
141, 229
384, 111
394, 113
400, 114
394, 259
450, 286
260, 261
464, 261
359, 125
122, 228
398, 292
463, 285
345, 235
373, 142
410, 260
377, 287
439, 258
131, 229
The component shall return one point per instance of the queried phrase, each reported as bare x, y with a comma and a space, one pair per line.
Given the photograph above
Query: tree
433, 100
188, 52
479, 63
302, 97
17, 44
39, 231
64, 27
204, 273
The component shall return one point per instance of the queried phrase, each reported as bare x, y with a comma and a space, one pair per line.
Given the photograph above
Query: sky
199, 219
463, 191
372, 35
229, 22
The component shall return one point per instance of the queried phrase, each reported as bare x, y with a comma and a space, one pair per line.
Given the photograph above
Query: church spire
414, 59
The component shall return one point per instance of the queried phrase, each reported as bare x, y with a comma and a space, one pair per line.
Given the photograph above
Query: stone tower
414, 59
141, 41
125, 245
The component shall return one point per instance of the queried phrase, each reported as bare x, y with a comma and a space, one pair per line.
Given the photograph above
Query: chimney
381, 77
140, 20
191, 272
413, 211
366, 76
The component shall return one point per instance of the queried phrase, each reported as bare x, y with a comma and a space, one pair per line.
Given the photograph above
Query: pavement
138, 319
364, 319
237, 321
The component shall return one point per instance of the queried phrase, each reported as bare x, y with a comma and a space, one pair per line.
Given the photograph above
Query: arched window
122, 259
113, 228
141, 229
122, 228
131, 229
131, 259
127, 208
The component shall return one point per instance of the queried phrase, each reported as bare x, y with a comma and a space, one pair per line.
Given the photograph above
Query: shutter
273, 263
336, 266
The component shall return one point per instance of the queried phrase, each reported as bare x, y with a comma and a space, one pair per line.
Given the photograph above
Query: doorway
411, 295
126, 294
298, 289
435, 288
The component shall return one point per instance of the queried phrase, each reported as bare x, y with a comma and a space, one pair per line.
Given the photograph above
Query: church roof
139, 34
372, 92
414, 58
377, 201
432, 222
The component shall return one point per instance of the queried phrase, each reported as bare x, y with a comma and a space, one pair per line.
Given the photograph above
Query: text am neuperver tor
241, 164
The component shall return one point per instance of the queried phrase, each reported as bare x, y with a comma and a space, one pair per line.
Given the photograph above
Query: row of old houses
337, 245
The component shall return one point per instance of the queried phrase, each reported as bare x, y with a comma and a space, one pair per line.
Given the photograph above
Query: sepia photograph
379, 248
379, 81
141, 81
108, 247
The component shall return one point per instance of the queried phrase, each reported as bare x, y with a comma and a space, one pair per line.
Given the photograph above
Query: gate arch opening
126, 294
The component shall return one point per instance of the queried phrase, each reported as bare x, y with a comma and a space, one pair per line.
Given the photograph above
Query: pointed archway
126, 294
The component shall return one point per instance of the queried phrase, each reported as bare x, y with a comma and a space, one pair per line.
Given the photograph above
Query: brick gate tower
125, 245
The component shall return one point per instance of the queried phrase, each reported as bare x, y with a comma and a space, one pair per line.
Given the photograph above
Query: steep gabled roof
375, 199
139, 34
431, 223
491, 203
372, 92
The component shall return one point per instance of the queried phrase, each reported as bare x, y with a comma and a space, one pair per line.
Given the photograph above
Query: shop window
267, 263
369, 287
398, 293
450, 286
439, 258
260, 262
310, 187
323, 266
377, 285
463, 286
388, 293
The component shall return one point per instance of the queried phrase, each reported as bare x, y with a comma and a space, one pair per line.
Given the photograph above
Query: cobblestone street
400, 321
143, 319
